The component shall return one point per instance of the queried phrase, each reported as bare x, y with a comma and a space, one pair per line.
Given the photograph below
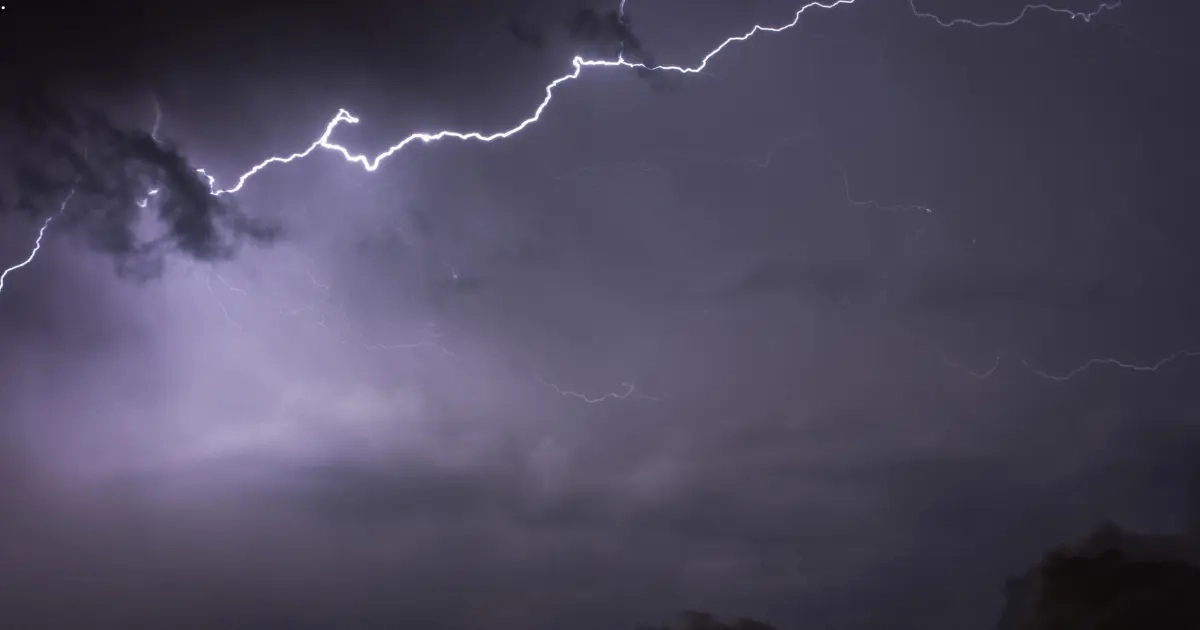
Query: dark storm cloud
596, 34
610, 34
60, 148
796, 468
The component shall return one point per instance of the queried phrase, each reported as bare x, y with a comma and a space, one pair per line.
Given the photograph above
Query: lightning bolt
627, 390
230, 287
1086, 16
1132, 367
871, 203
157, 117
321, 287
37, 243
1078, 370
153, 136
981, 375
578, 64
371, 164
224, 310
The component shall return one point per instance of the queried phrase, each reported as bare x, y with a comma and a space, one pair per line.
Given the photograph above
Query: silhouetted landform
1113, 579
692, 620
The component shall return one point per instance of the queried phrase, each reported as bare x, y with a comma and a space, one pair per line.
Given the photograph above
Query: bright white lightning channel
578, 63
37, 243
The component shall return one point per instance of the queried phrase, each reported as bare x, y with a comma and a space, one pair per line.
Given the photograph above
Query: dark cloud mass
877, 323
595, 34
113, 175
608, 31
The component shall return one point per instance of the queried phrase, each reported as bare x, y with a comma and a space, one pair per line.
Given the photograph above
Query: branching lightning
578, 64
325, 142
224, 309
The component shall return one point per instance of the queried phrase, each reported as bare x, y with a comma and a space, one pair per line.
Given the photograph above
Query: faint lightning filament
1132, 367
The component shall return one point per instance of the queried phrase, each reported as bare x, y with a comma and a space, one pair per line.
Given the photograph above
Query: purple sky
783, 281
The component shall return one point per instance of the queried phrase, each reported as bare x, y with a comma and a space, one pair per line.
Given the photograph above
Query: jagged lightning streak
224, 310
627, 391
871, 203
579, 63
1086, 16
153, 136
37, 243
965, 369
1132, 367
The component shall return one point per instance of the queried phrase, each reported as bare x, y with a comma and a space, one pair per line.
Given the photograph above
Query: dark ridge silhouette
692, 620
1113, 579
1193, 507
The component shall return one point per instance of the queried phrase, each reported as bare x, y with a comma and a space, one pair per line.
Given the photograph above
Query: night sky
839, 332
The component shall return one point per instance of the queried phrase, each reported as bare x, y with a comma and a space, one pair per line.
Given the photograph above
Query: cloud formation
118, 175
594, 34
